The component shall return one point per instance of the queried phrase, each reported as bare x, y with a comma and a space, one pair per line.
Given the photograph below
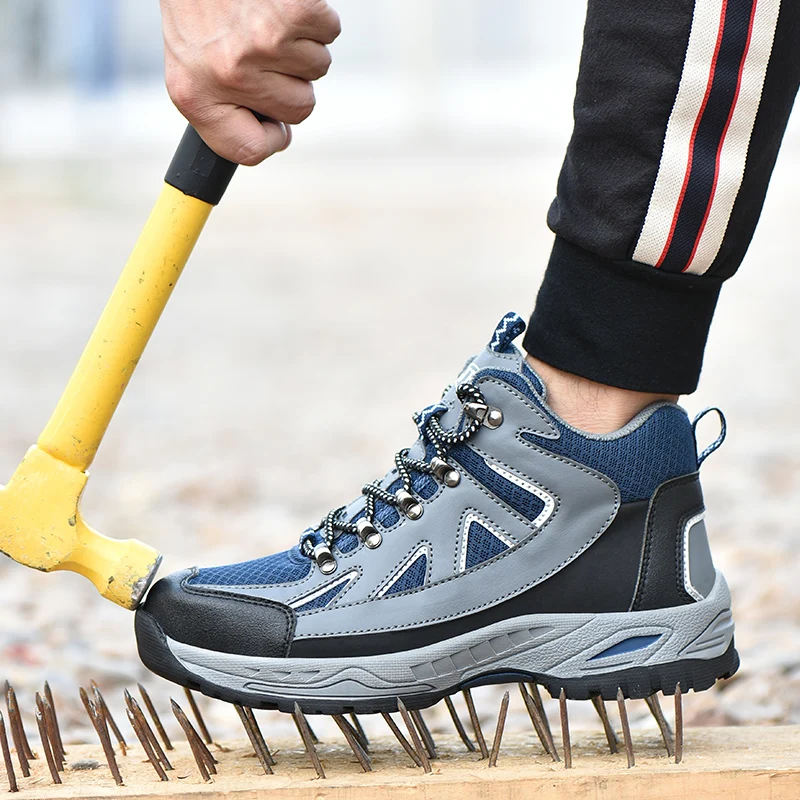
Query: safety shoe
505, 545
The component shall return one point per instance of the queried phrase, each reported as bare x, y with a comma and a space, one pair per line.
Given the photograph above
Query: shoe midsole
557, 645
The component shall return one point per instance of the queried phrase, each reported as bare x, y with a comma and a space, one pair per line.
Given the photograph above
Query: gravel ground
332, 295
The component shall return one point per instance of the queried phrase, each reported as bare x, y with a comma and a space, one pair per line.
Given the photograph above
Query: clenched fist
225, 57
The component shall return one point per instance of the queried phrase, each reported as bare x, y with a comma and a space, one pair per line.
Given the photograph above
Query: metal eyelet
448, 475
494, 418
487, 415
409, 504
368, 533
324, 558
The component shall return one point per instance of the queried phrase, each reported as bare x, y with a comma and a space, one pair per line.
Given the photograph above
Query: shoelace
476, 413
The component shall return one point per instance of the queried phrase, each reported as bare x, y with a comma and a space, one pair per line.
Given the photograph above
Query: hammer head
41, 527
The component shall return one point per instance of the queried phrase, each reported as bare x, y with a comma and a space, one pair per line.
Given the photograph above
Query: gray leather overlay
585, 502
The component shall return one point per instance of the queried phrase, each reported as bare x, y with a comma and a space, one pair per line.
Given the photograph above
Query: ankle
589, 406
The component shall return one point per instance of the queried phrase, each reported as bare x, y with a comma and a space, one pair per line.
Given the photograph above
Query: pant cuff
622, 323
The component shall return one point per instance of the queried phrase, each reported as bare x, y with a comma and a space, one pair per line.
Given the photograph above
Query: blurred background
338, 288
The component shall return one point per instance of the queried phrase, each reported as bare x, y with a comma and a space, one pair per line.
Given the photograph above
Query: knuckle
182, 91
336, 24
323, 65
299, 12
228, 71
300, 108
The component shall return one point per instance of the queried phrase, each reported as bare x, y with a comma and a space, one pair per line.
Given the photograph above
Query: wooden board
737, 763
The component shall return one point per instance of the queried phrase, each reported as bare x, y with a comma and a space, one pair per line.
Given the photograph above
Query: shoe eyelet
493, 419
368, 534
487, 415
324, 558
447, 474
409, 504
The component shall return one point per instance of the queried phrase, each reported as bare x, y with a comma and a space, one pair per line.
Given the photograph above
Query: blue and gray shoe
504, 545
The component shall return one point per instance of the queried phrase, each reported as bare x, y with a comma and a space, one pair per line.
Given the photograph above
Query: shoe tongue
499, 356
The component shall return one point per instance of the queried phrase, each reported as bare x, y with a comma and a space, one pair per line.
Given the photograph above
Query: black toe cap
219, 620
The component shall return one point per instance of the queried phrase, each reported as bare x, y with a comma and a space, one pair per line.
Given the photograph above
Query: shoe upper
543, 519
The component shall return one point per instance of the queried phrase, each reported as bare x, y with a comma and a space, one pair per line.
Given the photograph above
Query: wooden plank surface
735, 763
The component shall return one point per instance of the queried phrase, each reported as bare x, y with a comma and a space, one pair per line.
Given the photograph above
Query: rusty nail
102, 707
10, 693
12, 778
305, 734
145, 728
17, 731
45, 740
355, 723
424, 733
611, 737
204, 766
678, 724
459, 725
151, 709
51, 703
542, 729
476, 723
98, 719
248, 724
51, 728
412, 732
498, 733
626, 728
537, 699
260, 737
201, 723
352, 740
144, 741
663, 726
406, 745
565, 741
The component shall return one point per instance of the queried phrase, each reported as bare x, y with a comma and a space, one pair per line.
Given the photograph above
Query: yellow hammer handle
195, 183
81, 417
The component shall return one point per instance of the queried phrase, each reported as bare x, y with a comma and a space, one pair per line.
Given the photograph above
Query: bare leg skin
589, 406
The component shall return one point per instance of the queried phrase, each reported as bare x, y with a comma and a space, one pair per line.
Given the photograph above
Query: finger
306, 59
289, 134
281, 97
320, 23
234, 133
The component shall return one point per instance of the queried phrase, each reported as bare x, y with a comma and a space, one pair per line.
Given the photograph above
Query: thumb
235, 133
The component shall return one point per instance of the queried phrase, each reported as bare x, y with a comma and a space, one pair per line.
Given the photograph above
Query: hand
224, 57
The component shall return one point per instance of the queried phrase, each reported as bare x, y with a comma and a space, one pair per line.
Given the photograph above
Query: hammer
41, 524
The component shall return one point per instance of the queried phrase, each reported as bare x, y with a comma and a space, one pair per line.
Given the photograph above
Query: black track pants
680, 109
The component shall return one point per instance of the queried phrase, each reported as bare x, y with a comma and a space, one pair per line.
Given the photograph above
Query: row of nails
419, 745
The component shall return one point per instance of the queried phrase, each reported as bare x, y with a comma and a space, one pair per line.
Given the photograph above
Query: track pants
680, 110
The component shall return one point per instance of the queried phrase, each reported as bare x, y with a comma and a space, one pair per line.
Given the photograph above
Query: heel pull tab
723, 432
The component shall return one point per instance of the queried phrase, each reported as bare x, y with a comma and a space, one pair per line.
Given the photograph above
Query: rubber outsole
636, 682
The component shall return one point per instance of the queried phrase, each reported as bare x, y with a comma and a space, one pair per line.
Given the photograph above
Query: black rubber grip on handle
198, 171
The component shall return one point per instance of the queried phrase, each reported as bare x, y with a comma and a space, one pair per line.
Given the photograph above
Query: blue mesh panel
284, 567
660, 449
412, 578
424, 485
482, 545
323, 599
532, 377
347, 542
526, 503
